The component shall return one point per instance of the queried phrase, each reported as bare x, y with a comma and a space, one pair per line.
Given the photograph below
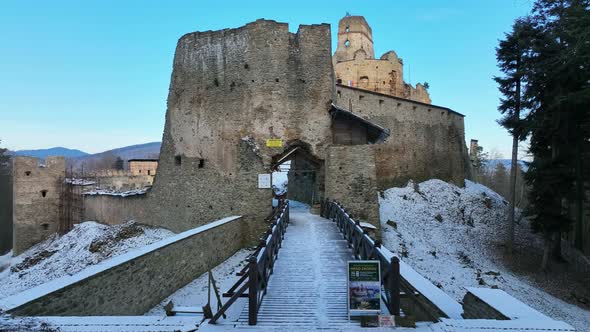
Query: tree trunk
512, 193
556, 251
579, 215
546, 252
514, 167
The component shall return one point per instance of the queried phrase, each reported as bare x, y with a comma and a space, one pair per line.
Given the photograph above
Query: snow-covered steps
308, 287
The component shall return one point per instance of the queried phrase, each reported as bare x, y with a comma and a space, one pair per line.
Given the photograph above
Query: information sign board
264, 181
274, 143
364, 288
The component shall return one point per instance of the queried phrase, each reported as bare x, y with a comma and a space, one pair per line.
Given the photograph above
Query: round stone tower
355, 39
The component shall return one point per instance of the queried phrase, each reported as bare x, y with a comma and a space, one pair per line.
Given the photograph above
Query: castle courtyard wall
425, 141
113, 209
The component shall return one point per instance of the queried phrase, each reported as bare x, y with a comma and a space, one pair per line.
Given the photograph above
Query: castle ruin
355, 64
233, 91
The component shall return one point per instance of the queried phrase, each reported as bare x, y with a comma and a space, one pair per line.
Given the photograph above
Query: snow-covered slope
451, 235
87, 244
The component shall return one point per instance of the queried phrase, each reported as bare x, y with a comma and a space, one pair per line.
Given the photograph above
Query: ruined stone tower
355, 64
36, 190
355, 39
232, 90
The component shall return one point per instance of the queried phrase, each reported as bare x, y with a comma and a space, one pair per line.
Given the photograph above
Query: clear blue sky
94, 75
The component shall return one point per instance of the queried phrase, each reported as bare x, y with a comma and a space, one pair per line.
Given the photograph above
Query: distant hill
491, 164
57, 151
147, 150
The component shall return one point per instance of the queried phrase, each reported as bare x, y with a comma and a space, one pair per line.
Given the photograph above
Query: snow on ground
451, 236
5, 264
195, 293
86, 244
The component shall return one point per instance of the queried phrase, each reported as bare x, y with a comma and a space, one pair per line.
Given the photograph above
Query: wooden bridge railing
255, 275
365, 248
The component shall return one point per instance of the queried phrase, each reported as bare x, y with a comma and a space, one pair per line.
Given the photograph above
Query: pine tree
560, 103
512, 55
4, 159
119, 164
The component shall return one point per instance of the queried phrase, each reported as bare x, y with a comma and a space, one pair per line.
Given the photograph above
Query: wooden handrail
255, 276
365, 248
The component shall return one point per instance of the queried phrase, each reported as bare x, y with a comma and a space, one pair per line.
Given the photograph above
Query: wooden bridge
308, 287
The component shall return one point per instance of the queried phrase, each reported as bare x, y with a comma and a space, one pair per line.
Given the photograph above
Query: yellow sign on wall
274, 143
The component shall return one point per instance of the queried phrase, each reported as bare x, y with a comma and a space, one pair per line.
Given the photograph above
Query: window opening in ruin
27, 173
149, 172
339, 81
347, 43
43, 193
276, 80
177, 160
139, 171
381, 101
45, 226
347, 29
361, 97
339, 94
201, 163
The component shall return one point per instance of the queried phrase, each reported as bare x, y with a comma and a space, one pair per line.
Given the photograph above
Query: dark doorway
305, 178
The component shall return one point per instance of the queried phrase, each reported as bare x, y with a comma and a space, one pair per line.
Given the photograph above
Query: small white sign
264, 181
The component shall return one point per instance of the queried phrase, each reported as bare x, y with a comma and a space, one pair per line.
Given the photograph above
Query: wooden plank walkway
308, 286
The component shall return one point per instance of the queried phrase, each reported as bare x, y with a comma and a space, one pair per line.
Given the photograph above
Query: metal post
394, 286
253, 291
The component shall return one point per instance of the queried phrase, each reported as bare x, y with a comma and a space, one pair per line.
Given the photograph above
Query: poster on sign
264, 181
364, 288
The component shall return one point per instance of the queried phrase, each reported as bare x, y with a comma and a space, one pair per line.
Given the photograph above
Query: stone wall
112, 209
476, 308
119, 180
124, 182
425, 141
36, 199
134, 282
5, 208
143, 166
351, 180
230, 91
